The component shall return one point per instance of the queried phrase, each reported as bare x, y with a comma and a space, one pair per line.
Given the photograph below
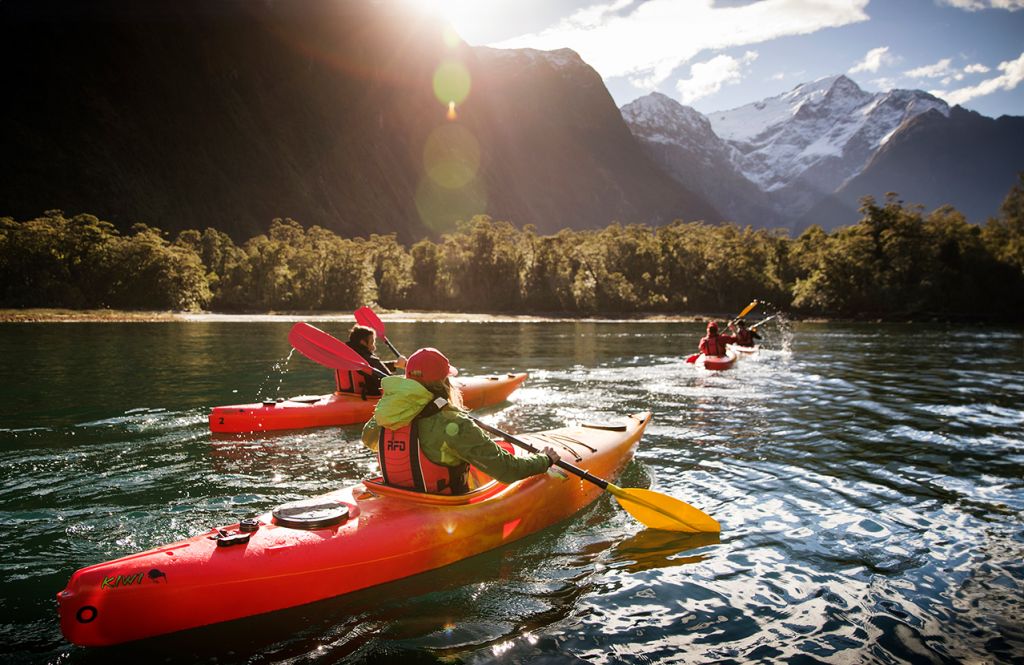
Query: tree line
895, 262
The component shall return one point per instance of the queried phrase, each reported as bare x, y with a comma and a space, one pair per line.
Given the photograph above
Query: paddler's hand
553, 457
400, 363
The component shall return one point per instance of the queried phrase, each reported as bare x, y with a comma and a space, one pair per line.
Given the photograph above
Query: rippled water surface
868, 479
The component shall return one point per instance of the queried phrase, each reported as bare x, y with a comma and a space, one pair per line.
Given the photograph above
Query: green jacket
448, 437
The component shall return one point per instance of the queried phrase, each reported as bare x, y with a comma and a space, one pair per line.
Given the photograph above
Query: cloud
1011, 77
976, 69
979, 5
939, 69
707, 78
874, 59
647, 41
884, 83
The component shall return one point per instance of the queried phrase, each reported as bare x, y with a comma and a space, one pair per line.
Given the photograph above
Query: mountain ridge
804, 150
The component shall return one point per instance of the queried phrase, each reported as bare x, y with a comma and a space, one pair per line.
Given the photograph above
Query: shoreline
409, 316
58, 315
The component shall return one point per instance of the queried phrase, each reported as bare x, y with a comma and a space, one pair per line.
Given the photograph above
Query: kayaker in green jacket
430, 449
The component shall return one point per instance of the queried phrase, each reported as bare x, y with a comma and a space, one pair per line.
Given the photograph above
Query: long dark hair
445, 389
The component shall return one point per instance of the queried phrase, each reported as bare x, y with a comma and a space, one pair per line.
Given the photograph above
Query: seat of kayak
482, 486
485, 487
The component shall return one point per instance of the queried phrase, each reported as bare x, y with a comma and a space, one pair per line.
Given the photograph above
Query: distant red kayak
344, 408
716, 362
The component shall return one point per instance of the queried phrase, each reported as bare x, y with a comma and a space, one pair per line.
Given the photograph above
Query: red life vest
350, 382
744, 337
714, 345
403, 463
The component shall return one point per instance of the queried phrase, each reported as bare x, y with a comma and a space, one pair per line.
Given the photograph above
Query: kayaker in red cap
363, 340
745, 336
713, 344
425, 442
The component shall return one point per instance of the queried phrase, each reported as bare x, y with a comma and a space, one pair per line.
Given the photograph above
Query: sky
717, 55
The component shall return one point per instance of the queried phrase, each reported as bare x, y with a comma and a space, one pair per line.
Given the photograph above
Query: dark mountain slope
228, 113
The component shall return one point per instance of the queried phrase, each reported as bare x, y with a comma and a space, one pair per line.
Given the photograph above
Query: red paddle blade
367, 317
324, 349
692, 359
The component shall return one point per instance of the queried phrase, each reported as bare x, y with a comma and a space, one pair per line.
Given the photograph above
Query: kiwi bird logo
155, 575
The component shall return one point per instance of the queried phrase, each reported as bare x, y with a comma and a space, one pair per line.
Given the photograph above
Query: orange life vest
403, 463
350, 382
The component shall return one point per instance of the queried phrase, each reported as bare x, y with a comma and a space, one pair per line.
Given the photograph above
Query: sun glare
467, 17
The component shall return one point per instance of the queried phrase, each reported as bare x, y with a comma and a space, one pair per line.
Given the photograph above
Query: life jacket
403, 463
350, 382
714, 346
744, 337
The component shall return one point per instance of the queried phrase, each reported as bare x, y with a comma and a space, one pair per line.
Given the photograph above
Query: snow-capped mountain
795, 148
682, 141
822, 132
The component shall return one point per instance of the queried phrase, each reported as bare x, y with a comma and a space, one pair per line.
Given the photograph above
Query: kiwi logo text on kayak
396, 444
115, 581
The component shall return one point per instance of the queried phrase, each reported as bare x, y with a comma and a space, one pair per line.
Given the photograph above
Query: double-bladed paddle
652, 509
367, 317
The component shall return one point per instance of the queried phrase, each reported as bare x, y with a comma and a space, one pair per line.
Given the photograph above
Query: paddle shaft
392, 347
571, 468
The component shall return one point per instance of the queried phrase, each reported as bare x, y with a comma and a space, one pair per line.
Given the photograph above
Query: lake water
868, 479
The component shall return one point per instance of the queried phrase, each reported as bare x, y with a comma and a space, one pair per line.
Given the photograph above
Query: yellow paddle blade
660, 511
746, 310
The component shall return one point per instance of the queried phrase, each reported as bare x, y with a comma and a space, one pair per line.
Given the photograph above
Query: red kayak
344, 408
716, 362
349, 539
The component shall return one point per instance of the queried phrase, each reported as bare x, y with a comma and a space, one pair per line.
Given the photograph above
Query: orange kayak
344, 408
349, 539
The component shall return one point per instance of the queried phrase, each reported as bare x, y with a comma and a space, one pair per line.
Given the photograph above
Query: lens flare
440, 207
451, 156
451, 82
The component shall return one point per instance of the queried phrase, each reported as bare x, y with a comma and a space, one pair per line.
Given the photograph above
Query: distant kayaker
713, 344
363, 340
425, 442
745, 336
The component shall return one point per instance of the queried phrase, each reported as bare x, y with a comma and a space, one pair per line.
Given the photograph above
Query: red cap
712, 326
429, 365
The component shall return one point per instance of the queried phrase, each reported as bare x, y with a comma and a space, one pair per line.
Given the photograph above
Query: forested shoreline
896, 262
